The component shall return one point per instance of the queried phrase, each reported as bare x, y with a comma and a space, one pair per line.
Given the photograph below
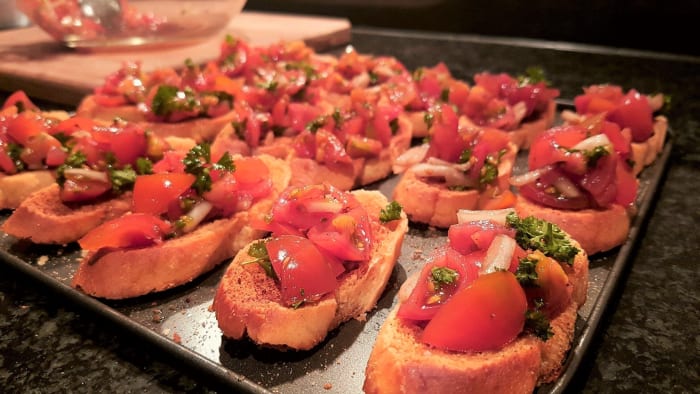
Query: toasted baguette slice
118, 274
644, 153
597, 230
45, 219
522, 137
399, 363
435, 204
249, 302
17, 187
199, 129
344, 176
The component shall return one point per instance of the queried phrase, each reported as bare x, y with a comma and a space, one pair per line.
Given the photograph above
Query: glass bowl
128, 23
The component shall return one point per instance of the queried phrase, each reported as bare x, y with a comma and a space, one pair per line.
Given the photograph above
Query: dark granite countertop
647, 341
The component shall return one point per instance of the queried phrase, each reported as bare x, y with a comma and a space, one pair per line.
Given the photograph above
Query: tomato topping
303, 272
440, 278
154, 193
551, 287
79, 187
20, 100
486, 315
472, 236
130, 231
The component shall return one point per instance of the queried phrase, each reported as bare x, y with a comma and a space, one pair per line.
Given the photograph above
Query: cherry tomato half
153, 193
129, 231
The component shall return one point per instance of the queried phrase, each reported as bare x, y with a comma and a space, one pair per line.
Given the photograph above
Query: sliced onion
656, 102
499, 254
497, 216
593, 142
571, 117
450, 175
519, 111
197, 215
566, 187
458, 166
531, 176
410, 157
84, 173
323, 206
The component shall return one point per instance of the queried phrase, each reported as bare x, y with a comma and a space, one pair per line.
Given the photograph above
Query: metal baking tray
181, 322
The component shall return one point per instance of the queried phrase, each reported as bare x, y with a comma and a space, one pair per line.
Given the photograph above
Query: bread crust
399, 363
118, 274
644, 153
17, 187
44, 218
597, 230
199, 129
248, 302
435, 204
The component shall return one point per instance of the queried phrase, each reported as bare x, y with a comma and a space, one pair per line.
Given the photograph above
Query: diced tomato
19, 98
305, 207
543, 193
600, 181
484, 316
329, 148
634, 112
129, 231
252, 173
24, 126
84, 187
73, 124
446, 142
627, 185
552, 147
427, 298
171, 162
472, 236
155, 192
303, 272
347, 236
552, 285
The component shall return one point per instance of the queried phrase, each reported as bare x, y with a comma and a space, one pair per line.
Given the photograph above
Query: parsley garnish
537, 322
121, 179
373, 78
15, 151
144, 166
239, 128
536, 234
391, 212
75, 160
337, 118
164, 101
465, 156
258, 251
445, 95
592, 156
443, 276
316, 124
526, 273
198, 163
418, 74
532, 75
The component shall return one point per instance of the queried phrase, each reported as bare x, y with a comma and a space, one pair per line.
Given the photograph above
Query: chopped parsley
532, 75
465, 156
441, 276
198, 163
15, 152
418, 74
258, 251
170, 99
537, 323
337, 118
391, 212
316, 124
536, 234
75, 160
121, 179
445, 95
592, 156
144, 166
526, 273
373, 78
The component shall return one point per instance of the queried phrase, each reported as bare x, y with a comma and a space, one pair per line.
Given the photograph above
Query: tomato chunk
130, 231
484, 316
303, 272
154, 193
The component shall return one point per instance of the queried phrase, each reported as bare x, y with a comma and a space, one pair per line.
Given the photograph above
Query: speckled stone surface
649, 340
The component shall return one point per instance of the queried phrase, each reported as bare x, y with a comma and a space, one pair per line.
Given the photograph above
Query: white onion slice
323, 206
197, 215
450, 175
497, 216
531, 176
93, 175
410, 157
499, 254
519, 110
593, 142
566, 187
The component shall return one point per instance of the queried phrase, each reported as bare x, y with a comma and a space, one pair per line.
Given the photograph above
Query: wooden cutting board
30, 60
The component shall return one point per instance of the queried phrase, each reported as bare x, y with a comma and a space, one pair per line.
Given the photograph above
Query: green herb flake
441, 276
15, 152
536, 234
75, 160
428, 118
532, 75
144, 166
394, 125
445, 95
373, 78
122, 179
592, 156
164, 101
316, 124
391, 212
465, 156
537, 323
526, 273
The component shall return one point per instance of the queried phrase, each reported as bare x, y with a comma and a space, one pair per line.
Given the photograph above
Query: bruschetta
522, 106
463, 166
327, 260
512, 285
579, 180
633, 112
30, 148
185, 219
92, 184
